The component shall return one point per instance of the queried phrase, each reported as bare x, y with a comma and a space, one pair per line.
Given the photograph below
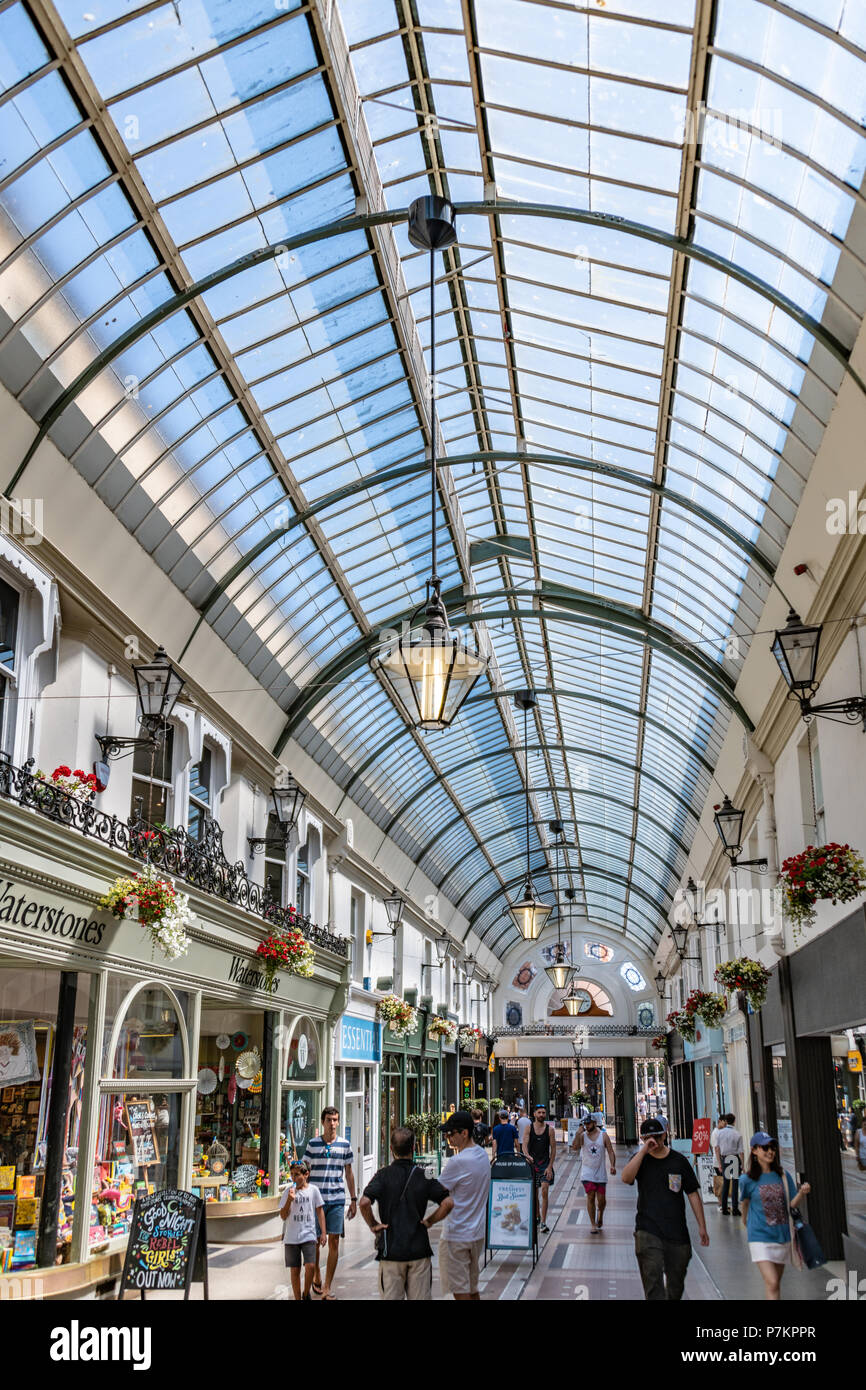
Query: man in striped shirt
330, 1159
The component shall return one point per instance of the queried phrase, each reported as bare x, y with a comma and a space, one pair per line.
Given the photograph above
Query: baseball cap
461, 1119
650, 1128
761, 1137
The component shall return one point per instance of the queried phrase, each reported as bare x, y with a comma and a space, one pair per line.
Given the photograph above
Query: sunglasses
770, 1147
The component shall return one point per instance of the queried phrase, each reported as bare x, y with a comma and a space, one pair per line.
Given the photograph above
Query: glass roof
626, 430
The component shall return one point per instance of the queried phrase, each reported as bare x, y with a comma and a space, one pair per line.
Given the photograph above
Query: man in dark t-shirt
661, 1237
403, 1249
504, 1136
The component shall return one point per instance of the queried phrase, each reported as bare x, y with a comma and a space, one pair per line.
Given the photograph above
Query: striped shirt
327, 1162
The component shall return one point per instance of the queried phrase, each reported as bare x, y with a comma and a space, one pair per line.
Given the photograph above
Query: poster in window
18, 1060
139, 1123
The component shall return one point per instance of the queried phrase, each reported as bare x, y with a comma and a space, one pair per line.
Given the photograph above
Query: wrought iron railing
565, 1030
201, 863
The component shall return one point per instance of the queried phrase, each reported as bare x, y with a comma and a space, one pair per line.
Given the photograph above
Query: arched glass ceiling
147, 146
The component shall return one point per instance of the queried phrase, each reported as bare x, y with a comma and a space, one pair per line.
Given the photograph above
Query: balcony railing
566, 1030
201, 863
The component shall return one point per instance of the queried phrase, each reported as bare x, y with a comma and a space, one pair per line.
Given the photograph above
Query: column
626, 1112
539, 1083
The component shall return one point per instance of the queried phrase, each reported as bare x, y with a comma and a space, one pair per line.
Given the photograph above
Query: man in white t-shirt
466, 1177
729, 1156
303, 1211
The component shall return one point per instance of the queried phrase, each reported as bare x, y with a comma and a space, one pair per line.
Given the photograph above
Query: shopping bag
718, 1184
808, 1245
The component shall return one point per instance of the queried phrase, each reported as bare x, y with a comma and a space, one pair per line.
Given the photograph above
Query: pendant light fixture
574, 999
431, 670
530, 914
559, 972
795, 648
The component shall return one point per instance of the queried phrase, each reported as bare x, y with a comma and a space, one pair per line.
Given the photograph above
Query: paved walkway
572, 1265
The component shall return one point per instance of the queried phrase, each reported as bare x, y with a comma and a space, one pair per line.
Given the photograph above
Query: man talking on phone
661, 1237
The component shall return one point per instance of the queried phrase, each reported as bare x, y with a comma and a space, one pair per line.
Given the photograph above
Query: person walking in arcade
594, 1146
539, 1149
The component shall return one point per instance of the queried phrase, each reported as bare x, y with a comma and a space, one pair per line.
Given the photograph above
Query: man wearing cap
466, 1177
595, 1148
661, 1237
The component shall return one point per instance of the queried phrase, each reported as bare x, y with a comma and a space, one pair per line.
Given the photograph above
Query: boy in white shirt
302, 1209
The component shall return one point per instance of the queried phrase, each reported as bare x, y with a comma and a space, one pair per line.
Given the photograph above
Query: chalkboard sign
244, 1177
139, 1122
167, 1246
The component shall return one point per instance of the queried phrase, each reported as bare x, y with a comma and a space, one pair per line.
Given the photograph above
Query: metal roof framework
209, 302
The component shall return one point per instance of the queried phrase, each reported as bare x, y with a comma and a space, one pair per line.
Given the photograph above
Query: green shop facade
416, 1081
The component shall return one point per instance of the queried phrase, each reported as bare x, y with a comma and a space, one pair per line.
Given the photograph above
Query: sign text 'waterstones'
240, 973
20, 911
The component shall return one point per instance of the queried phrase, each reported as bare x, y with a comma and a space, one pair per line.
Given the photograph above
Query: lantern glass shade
441, 944
692, 898
394, 905
573, 1002
795, 648
729, 824
660, 984
288, 798
158, 685
430, 672
530, 914
470, 965
559, 974
681, 935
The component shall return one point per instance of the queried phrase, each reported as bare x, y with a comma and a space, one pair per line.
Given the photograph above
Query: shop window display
302, 1097
29, 1003
228, 1160
139, 1127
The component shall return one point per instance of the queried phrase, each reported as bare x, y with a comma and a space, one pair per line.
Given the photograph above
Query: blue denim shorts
335, 1213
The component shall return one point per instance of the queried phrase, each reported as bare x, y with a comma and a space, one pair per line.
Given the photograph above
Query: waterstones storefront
122, 1071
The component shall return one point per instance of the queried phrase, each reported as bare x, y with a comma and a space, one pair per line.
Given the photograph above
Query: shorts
539, 1170
777, 1252
458, 1265
303, 1254
335, 1215
595, 1187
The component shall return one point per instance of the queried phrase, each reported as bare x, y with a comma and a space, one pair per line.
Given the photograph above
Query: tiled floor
572, 1265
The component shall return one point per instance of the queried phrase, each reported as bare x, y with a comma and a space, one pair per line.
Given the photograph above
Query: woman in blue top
764, 1204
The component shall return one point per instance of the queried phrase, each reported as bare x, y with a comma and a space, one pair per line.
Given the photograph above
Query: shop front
682, 1094
357, 1056
122, 1072
474, 1077
806, 1047
709, 1073
411, 1089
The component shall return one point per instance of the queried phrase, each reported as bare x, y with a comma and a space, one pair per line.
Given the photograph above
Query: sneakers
545, 1229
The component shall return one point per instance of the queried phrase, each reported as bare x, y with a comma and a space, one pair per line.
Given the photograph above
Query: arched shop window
145, 1093
303, 1091
231, 1155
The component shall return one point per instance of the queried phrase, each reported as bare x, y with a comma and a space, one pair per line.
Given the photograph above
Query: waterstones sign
242, 973
20, 909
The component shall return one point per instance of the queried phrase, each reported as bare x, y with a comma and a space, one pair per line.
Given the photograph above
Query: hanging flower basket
286, 950
401, 1018
684, 1023
708, 1006
660, 1042
829, 871
468, 1038
747, 975
157, 905
78, 783
444, 1028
